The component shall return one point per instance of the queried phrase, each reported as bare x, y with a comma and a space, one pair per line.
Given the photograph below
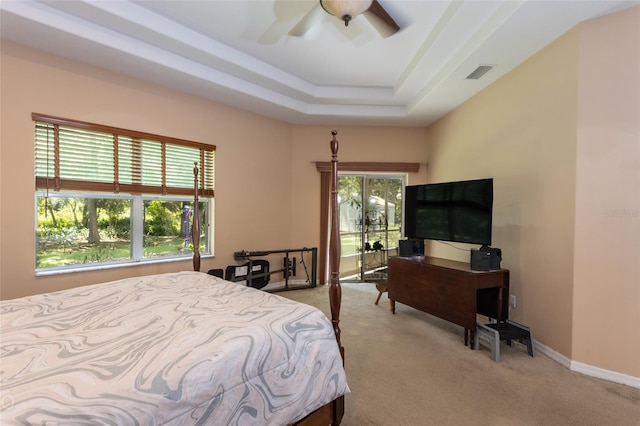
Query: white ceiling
239, 52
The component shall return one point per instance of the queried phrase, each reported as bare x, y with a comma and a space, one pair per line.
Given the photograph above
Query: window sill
107, 266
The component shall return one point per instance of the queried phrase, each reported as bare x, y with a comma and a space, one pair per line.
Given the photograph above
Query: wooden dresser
449, 290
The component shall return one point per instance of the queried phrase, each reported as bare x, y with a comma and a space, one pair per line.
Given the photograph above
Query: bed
174, 349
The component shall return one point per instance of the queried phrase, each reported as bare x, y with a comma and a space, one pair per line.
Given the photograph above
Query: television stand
449, 290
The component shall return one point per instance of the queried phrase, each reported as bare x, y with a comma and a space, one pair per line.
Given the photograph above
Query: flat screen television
451, 211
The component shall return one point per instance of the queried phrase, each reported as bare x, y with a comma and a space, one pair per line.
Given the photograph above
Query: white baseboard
609, 375
586, 369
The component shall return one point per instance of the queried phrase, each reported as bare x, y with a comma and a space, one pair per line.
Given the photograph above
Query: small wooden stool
382, 288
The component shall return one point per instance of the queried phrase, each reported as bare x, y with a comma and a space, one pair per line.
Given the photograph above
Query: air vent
479, 72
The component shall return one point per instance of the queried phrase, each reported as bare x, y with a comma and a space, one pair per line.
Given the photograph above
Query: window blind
75, 155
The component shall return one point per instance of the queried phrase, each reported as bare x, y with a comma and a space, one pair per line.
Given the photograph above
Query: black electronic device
480, 259
411, 247
486, 259
451, 211
496, 258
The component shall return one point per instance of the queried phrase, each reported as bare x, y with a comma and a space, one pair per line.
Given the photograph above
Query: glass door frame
324, 169
368, 253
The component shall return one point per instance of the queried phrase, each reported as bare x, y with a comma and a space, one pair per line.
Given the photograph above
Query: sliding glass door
370, 223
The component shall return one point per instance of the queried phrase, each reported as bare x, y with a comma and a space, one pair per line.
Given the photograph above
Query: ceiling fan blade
274, 33
309, 20
381, 20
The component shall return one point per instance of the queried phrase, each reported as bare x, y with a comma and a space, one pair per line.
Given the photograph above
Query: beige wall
559, 134
253, 179
607, 244
267, 186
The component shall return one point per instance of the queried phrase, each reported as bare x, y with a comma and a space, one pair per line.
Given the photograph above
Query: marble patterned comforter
171, 349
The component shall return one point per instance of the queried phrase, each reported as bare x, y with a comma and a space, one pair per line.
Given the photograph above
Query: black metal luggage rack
257, 272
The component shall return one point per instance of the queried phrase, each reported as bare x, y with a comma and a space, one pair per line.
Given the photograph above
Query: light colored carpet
413, 369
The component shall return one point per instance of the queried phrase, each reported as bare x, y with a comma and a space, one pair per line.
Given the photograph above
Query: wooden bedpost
195, 229
334, 411
335, 291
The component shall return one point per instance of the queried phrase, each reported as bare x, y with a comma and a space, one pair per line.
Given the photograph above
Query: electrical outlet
512, 300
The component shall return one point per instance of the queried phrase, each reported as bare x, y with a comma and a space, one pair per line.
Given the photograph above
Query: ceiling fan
347, 10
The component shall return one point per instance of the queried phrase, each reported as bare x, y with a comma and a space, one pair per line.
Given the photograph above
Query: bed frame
332, 412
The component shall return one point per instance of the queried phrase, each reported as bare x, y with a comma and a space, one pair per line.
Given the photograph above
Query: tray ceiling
240, 53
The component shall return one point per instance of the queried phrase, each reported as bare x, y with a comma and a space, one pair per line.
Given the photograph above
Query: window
106, 195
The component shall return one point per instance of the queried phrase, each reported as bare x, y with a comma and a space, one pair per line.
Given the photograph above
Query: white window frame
137, 232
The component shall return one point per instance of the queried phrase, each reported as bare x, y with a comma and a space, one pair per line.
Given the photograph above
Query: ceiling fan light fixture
345, 9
